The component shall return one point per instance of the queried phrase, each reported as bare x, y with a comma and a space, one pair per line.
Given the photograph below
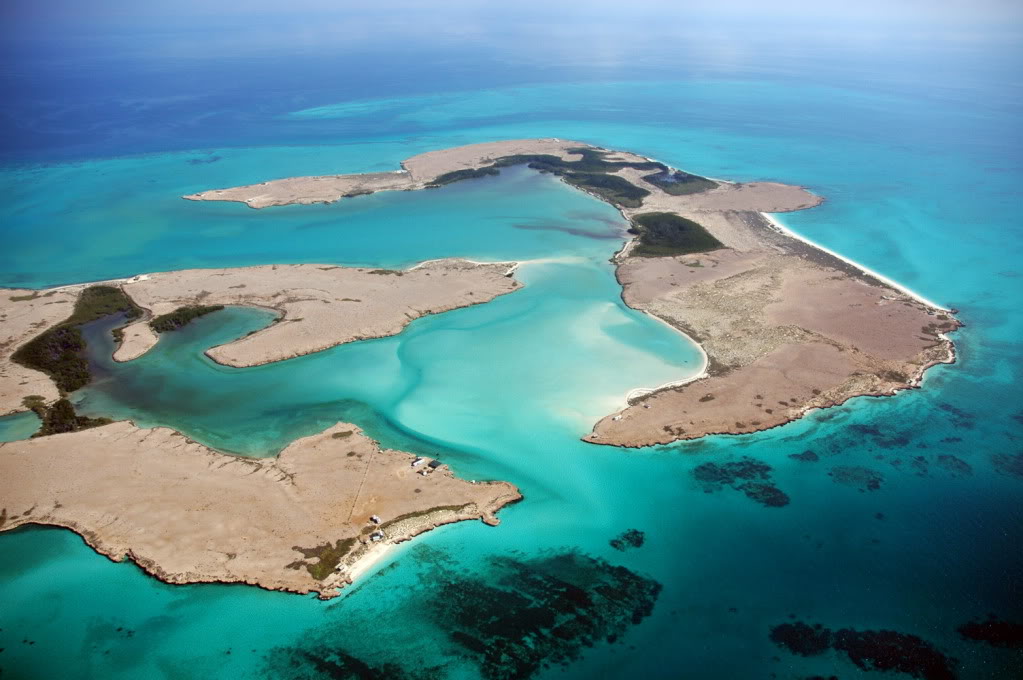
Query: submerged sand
188, 514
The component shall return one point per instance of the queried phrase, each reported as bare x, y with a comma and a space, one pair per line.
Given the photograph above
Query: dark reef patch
958, 417
324, 662
204, 160
611, 235
853, 475
1010, 464
510, 620
526, 615
806, 456
751, 477
632, 538
995, 632
802, 638
884, 439
954, 465
870, 650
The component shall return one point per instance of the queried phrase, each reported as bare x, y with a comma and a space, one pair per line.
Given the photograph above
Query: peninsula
308, 520
786, 326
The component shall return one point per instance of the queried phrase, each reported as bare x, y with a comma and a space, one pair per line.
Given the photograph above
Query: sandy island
786, 326
304, 521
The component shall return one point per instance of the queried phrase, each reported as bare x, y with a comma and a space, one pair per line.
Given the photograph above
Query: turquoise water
18, 426
921, 188
450, 378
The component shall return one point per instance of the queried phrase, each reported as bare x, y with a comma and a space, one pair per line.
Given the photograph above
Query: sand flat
189, 514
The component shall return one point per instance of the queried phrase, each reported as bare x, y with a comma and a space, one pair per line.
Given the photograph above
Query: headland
303, 521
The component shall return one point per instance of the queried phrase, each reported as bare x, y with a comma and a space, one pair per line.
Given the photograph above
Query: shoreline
777, 224
639, 392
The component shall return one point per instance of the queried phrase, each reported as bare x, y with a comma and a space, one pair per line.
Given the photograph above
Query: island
786, 325
308, 520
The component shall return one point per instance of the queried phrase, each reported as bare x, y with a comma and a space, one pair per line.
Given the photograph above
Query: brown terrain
299, 522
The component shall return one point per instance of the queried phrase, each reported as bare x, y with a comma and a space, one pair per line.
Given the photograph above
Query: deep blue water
917, 148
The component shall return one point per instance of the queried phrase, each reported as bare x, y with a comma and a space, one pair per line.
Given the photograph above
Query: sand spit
299, 522
787, 326
320, 306
416, 173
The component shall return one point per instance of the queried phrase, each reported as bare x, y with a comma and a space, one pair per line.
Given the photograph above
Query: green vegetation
344, 434
679, 183
61, 417
97, 302
589, 172
665, 234
458, 175
329, 557
58, 351
612, 188
420, 513
181, 317
33, 401
591, 161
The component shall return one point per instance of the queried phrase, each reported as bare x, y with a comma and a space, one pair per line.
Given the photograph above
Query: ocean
904, 513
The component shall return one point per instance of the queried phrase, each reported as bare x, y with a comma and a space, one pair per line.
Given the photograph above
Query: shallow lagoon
929, 550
